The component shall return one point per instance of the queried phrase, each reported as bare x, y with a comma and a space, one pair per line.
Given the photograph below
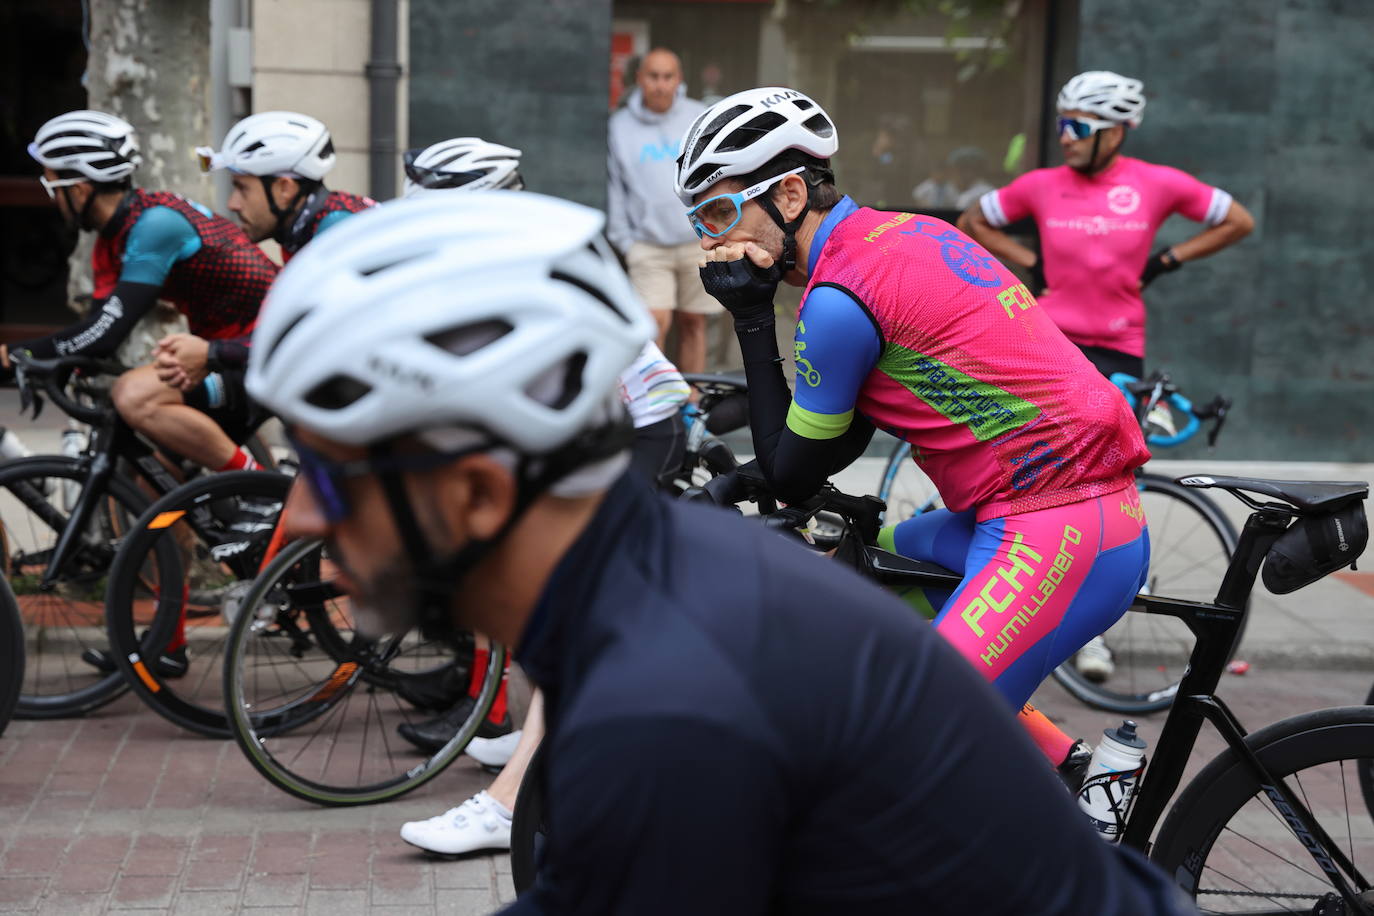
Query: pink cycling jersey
1002, 412
1095, 236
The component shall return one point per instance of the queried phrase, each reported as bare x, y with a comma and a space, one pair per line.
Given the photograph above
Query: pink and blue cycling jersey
1095, 236
911, 325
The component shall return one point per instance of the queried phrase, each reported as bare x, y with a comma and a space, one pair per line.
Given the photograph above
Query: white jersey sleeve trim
991, 205
1218, 208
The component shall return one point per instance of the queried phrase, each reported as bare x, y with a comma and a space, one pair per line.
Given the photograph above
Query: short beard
384, 603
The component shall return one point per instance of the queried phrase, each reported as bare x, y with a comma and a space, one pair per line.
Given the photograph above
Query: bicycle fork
1328, 855
101, 469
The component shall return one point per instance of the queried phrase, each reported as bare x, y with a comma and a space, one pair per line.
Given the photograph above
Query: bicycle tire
11, 654
57, 684
904, 488
1366, 769
206, 587
1222, 804
269, 735
1188, 561
529, 824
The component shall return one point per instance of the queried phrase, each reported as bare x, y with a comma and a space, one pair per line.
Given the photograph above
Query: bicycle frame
1215, 626
111, 440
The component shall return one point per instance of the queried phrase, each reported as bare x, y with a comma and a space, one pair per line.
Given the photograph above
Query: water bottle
11, 446
1109, 785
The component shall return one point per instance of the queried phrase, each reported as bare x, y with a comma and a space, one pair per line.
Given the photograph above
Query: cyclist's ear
478, 494
790, 197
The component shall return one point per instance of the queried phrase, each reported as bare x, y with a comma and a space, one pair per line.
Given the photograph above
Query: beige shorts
666, 278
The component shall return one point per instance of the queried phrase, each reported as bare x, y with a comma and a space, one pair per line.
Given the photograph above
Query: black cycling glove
745, 289
1160, 262
1037, 277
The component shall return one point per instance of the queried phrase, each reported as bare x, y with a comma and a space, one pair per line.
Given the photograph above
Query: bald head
660, 73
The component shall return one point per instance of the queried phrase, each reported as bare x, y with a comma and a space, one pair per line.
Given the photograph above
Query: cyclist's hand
182, 360
743, 278
1161, 261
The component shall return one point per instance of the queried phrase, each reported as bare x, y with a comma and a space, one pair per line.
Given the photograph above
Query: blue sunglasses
717, 215
1083, 128
328, 479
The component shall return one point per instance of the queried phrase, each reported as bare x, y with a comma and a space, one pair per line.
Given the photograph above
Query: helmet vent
469, 338
725, 117
586, 288
572, 382
803, 104
387, 265
748, 134
337, 392
820, 125
272, 347
701, 174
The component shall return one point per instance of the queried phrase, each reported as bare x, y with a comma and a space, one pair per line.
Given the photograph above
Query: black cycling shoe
431, 735
171, 664
435, 690
1075, 765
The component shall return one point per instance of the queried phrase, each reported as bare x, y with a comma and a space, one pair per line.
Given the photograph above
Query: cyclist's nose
302, 517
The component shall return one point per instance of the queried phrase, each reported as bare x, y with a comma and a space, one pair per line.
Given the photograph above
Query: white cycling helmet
274, 143
470, 163
745, 131
1107, 95
503, 312
93, 144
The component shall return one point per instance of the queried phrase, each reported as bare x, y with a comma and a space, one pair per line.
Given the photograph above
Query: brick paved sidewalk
122, 812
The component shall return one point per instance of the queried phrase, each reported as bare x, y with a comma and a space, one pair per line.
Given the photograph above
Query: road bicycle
62, 519
1191, 542
1265, 827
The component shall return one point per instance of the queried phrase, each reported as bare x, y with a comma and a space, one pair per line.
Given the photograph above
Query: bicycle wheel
904, 487
219, 527
314, 705
1227, 843
1366, 769
1191, 543
528, 825
61, 622
11, 654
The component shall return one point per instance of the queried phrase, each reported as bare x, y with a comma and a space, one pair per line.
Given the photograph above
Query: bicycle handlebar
1144, 394
54, 374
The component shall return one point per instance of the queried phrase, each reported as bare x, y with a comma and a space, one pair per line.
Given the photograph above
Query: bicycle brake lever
1216, 411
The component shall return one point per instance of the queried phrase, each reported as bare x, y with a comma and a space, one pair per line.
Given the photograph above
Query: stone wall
1270, 100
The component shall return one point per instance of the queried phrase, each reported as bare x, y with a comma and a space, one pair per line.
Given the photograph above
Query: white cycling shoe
493, 752
481, 822
1094, 661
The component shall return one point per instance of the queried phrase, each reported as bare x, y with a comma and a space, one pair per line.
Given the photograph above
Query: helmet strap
1093, 166
788, 261
283, 214
438, 577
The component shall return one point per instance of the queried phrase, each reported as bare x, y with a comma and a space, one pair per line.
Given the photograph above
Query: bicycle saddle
1304, 495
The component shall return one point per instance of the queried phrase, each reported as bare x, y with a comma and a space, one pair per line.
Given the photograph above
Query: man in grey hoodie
647, 222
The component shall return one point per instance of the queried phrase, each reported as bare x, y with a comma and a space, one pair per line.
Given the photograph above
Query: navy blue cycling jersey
738, 726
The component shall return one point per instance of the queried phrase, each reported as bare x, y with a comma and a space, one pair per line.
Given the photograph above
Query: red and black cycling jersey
313, 215
219, 288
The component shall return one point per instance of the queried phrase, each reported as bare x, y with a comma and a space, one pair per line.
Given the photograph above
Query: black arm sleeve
228, 354
795, 467
104, 329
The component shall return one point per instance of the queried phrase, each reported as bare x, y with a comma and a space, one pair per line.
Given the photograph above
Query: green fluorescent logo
985, 409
